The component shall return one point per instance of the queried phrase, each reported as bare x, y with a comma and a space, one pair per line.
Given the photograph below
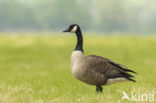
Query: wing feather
108, 68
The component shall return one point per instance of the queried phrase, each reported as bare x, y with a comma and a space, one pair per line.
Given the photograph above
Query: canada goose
95, 70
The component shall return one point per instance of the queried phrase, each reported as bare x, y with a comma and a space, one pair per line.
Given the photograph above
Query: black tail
124, 71
127, 76
122, 67
130, 79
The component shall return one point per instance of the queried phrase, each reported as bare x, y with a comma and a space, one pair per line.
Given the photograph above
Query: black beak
67, 30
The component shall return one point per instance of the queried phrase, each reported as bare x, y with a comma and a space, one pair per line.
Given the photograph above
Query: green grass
36, 69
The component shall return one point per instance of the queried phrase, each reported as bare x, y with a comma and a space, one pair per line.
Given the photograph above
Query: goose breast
82, 70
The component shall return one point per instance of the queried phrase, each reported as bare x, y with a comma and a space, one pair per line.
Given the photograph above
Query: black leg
99, 88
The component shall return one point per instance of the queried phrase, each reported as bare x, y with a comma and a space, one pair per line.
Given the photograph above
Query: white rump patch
74, 29
112, 81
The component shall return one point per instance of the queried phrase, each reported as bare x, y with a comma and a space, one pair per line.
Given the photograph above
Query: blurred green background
135, 16
36, 68
35, 55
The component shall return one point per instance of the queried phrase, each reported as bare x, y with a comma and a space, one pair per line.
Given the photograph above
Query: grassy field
36, 68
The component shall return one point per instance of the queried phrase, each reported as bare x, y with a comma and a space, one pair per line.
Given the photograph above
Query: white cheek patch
74, 29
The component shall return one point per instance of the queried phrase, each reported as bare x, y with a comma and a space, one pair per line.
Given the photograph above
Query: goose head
73, 28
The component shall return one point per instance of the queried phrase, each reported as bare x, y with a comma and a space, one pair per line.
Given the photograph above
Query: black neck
79, 45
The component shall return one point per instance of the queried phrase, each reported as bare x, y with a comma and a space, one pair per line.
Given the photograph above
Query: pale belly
87, 76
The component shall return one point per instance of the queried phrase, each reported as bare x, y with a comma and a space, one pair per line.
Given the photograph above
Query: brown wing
108, 68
